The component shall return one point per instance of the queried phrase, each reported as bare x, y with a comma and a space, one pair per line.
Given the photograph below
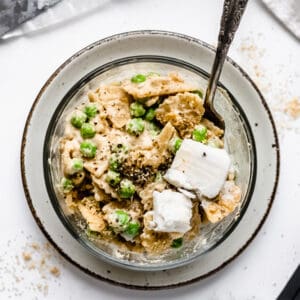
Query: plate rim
55, 74
64, 102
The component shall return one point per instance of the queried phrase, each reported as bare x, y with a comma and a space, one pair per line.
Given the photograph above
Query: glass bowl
238, 142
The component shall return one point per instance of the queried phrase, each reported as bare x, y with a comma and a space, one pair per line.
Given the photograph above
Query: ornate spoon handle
232, 14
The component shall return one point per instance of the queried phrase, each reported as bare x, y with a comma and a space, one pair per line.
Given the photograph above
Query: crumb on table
55, 271
292, 108
26, 256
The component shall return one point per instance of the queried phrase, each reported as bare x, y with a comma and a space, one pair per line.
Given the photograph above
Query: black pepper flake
139, 176
255, 124
204, 154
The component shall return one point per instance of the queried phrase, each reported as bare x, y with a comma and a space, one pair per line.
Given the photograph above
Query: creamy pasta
118, 158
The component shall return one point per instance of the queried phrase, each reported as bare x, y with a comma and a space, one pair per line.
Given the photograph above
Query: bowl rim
106, 40
52, 193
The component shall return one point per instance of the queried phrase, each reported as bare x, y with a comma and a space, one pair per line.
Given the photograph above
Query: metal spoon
231, 17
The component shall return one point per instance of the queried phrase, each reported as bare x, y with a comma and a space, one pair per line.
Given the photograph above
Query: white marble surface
262, 47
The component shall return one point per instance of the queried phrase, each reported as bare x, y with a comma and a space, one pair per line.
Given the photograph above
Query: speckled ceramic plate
181, 48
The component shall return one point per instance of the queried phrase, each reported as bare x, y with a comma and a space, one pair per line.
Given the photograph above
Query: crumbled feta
127, 237
187, 193
178, 178
172, 211
199, 167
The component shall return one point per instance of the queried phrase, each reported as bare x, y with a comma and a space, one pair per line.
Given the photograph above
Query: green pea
119, 148
137, 109
200, 133
158, 176
114, 162
91, 233
138, 78
88, 149
122, 217
77, 164
87, 131
78, 118
199, 93
135, 126
175, 144
67, 185
132, 229
127, 189
153, 128
177, 243
91, 111
150, 115
113, 178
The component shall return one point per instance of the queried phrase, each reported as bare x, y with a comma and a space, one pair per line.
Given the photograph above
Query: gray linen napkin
15, 12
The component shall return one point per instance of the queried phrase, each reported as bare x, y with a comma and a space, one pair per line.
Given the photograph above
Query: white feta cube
172, 212
199, 167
